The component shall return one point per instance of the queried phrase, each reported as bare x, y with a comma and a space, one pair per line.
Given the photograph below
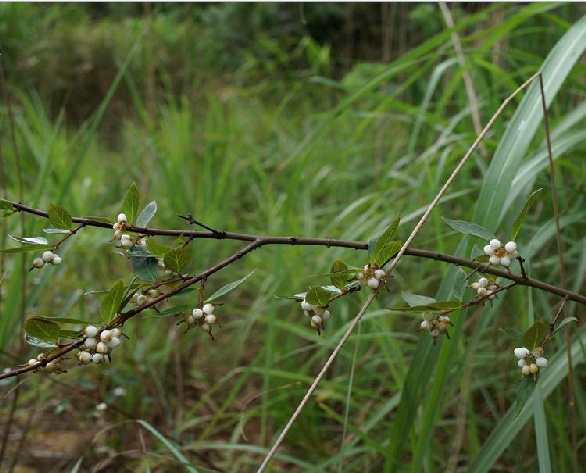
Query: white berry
211, 319
511, 247
488, 250
379, 274
56, 260
38, 263
90, 331
125, 237
84, 357
373, 283
116, 226
197, 314
482, 282
48, 256
102, 406
306, 305
90, 343
190, 320
521, 352
474, 285
102, 348
97, 358
495, 244
121, 218
116, 332
506, 261
126, 244
317, 320
533, 368
106, 335
206, 328
360, 276
425, 325
326, 315
541, 362
521, 363
482, 291
494, 260
208, 309
525, 370
114, 343
153, 293
32, 361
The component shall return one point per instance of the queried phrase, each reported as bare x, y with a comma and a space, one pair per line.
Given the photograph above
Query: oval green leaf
42, 329
130, 204
59, 217
228, 287
177, 259
469, 228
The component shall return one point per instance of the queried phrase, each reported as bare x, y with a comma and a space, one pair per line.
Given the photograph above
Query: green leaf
31, 240
565, 322
381, 250
387, 252
157, 249
130, 204
297, 297
318, 296
415, 299
144, 266
112, 301
513, 333
432, 308
228, 287
69, 334
146, 215
482, 258
469, 228
37, 342
459, 284
177, 259
55, 231
524, 391
523, 214
26, 248
178, 309
42, 329
339, 280
371, 245
534, 335
5, 205
100, 219
59, 217
65, 320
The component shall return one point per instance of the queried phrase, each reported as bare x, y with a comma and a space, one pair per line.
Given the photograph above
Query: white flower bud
90, 343
317, 320
379, 274
492, 287
56, 260
511, 247
541, 362
206, 328
425, 325
494, 260
521, 352
106, 335
427, 316
482, 291
102, 348
495, 244
125, 236
90, 331
116, 332
445, 318
190, 320
197, 313
319, 310
208, 309
307, 313
52, 366
38, 263
211, 319
32, 361
154, 293
482, 282
359, 276
373, 283
84, 357
116, 226
488, 250
533, 368
126, 244
121, 218
525, 370
142, 299
521, 363
506, 261
114, 343
48, 256
326, 315
367, 267
306, 305
474, 285
97, 358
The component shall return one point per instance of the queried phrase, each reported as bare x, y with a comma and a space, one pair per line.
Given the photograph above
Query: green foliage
229, 287
41, 329
177, 259
112, 300
469, 228
156, 249
147, 214
144, 266
340, 280
318, 296
385, 247
523, 214
432, 308
534, 335
59, 217
524, 391
130, 203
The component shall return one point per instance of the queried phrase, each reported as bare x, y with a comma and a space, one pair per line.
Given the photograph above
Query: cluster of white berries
126, 241
372, 276
501, 254
204, 318
51, 367
530, 361
317, 315
98, 344
435, 326
484, 287
140, 298
48, 257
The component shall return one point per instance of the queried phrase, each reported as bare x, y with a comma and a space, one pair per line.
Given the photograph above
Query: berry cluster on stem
98, 345
530, 361
436, 326
501, 254
317, 315
48, 257
372, 276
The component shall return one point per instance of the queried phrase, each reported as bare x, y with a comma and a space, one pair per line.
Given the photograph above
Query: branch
327, 242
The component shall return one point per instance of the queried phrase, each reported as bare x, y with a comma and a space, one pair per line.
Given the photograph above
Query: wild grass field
305, 120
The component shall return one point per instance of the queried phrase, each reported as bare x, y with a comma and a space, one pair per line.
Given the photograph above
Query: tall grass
317, 155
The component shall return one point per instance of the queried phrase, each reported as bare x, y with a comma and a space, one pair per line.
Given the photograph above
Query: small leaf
59, 217
178, 309
469, 228
64, 320
371, 245
565, 322
318, 296
228, 287
146, 215
69, 334
99, 219
42, 329
415, 300
37, 342
26, 248
387, 252
339, 280
459, 284
524, 391
534, 334
157, 249
513, 333
55, 231
177, 259
523, 215
130, 204
5, 205
432, 308
32, 240
112, 301
144, 266
379, 251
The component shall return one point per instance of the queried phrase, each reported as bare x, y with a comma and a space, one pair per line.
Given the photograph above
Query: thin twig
551, 328
393, 265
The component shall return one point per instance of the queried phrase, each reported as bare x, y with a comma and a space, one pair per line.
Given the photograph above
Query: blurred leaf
130, 204
384, 244
177, 259
513, 333
228, 287
415, 300
469, 228
178, 309
297, 297
523, 214
27, 248
157, 249
534, 334
318, 296
144, 266
42, 329
339, 280
112, 301
37, 342
59, 217
434, 307
100, 219
482, 258
31, 240
55, 231
459, 284
371, 245
65, 320
524, 391
5, 205
69, 334
147, 214
565, 322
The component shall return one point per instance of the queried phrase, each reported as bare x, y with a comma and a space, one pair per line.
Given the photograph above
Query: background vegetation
288, 119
